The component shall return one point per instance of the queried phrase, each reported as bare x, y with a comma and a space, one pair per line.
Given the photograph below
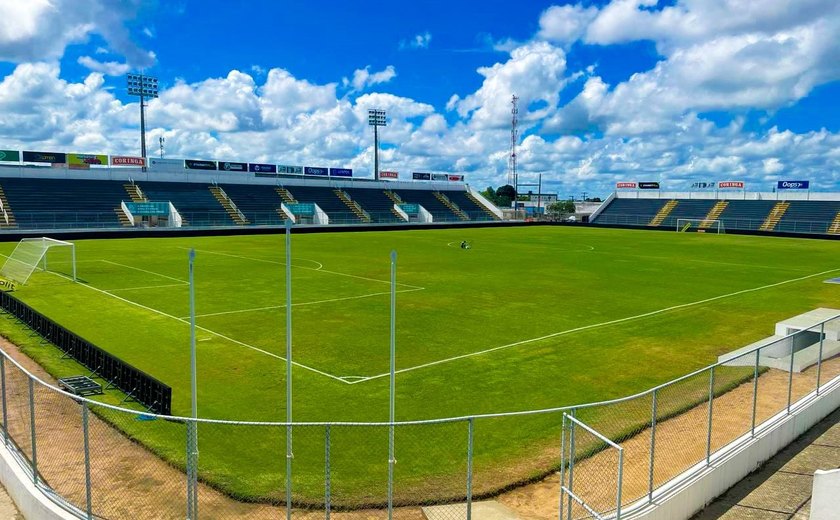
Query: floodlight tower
376, 118
145, 87
514, 137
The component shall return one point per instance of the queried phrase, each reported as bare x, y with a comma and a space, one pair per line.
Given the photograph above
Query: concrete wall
30, 501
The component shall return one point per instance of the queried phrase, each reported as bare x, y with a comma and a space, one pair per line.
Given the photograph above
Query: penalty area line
595, 326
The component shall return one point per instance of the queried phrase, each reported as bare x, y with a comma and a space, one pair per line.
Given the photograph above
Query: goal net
31, 254
700, 225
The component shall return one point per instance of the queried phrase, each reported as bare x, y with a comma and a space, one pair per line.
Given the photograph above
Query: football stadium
617, 358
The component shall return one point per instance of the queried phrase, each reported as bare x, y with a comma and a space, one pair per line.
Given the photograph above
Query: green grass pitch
527, 318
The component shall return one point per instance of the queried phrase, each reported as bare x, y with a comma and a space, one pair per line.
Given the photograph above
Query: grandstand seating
469, 206
376, 203
327, 200
60, 204
195, 202
799, 217
259, 203
427, 199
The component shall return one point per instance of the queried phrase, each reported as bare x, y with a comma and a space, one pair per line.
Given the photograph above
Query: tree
558, 210
505, 195
490, 194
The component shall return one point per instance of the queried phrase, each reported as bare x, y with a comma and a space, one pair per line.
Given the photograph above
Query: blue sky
676, 91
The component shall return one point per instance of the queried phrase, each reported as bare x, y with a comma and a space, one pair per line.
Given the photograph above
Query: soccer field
528, 318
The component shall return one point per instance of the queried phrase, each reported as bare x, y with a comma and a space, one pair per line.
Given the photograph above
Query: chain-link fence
603, 459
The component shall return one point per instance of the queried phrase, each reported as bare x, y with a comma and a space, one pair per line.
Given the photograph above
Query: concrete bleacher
687, 208
814, 216
327, 200
60, 203
427, 199
631, 212
194, 202
259, 203
376, 203
746, 214
468, 206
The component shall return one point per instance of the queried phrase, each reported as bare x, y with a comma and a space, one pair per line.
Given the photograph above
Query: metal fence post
755, 394
652, 447
470, 435
32, 431
86, 434
192, 470
790, 377
391, 471
3, 393
709, 427
571, 463
819, 358
562, 463
327, 471
620, 481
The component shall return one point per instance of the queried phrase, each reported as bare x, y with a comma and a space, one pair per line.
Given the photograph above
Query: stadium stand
745, 214
327, 200
259, 204
61, 204
631, 212
688, 208
378, 205
194, 201
815, 216
433, 205
470, 205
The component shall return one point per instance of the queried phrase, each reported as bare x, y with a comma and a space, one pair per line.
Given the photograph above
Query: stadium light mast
144, 87
513, 176
376, 118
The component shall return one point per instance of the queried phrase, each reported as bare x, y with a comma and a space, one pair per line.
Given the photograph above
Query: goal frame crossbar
46, 244
710, 225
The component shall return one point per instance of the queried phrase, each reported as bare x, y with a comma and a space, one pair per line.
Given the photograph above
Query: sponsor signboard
302, 208
625, 185
389, 175
419, 176
703, 185
262, 168
648, 185
341, 172
75, 166
233, 166
44, 157
193, 164
123, 160
793, 185
456, 178
166, 163
9, 155
731, 184
440, 177
314, 170
148, 209
90, 160
290, 170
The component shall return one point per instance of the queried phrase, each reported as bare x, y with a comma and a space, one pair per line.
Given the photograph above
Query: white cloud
109, 68
420, 41
35, 30
364, 78
566, 23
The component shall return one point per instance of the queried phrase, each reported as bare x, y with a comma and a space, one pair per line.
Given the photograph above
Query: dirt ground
128, 481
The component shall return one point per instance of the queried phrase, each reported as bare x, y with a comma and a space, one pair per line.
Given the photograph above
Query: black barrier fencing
137, 385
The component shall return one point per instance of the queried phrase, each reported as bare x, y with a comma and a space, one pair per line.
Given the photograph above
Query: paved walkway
781, 489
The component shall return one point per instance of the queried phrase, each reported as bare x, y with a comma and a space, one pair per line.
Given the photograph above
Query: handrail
233, 205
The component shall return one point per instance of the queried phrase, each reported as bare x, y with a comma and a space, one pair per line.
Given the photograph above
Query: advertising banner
166, 163
122, 160
90, 160
703, 185
793, 185
314, 170
648, 185
148, 209
418, 176
290, 170
440, 177
262, 168
341, 172
731, 184
226, 166
10, 155
625, 185
77, 166
389, 175
192, 164
44, 157
456, 178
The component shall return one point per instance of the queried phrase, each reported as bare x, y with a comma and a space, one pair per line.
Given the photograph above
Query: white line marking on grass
217, 334
597, 325
146, 271
698, 260
146, 287
319, 269
270, 307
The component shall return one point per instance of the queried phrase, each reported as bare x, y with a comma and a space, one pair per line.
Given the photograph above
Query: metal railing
99, 460
747, 224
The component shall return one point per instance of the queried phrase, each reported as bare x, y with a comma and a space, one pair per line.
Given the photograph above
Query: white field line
320, 269
146, 271
166, 315
145, 287
697, 260
317, 302
597, 325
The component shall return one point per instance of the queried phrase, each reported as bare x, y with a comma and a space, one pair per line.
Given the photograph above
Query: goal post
700, 225
31, 254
